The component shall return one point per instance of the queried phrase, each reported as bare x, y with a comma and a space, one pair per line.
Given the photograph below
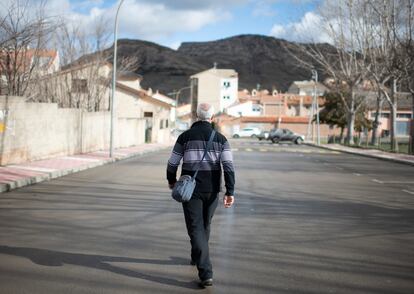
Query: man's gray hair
205, 111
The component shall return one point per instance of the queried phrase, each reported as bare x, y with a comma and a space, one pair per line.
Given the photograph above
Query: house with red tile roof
25, 65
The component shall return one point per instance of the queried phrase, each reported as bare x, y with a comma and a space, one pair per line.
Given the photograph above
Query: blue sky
170, 22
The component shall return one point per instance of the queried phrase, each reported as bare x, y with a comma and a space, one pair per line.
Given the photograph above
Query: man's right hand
228, 201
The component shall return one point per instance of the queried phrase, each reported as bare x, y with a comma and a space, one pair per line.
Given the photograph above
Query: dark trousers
198, 213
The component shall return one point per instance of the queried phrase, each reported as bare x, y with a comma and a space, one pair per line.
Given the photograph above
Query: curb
396, 160
6, 187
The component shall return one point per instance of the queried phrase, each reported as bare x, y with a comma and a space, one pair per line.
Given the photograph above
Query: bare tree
406, 45
24, 33
85, 78
390, 51
344, 61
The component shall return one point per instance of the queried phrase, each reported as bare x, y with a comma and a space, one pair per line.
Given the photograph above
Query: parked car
263, 135
247, 132
280, 135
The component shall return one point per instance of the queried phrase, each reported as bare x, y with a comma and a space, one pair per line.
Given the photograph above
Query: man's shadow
57, 258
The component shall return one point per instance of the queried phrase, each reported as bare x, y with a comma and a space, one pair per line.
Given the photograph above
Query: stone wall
33, 131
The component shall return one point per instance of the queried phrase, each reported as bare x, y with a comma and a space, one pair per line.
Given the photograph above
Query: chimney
215, 65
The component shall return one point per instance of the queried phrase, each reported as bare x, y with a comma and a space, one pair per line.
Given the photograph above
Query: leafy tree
334, 113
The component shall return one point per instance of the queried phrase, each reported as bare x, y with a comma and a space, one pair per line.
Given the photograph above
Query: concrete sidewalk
373, 153
19, 175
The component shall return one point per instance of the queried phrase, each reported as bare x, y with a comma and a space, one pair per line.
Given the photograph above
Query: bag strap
210, 141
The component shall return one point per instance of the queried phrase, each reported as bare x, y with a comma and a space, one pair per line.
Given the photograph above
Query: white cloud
152, 21
311, 28
192, 4
143, 19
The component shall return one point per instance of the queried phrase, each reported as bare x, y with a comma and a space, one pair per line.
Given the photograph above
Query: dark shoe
192, 262
206, 283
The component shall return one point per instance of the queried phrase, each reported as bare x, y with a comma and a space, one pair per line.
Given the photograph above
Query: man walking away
199, 211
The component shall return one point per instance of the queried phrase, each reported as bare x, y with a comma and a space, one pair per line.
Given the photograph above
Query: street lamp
111, 140
177, 95
315, 78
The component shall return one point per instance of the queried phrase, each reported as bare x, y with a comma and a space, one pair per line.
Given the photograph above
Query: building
277, 110
25, 66
154, 108
404, 114
306, 88
247, 108
216, 86
88, 86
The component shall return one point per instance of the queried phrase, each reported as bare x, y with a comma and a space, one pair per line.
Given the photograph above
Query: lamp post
315, 97
177, 95
111, 140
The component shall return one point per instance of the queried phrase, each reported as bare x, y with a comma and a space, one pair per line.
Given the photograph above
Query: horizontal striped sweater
190, 148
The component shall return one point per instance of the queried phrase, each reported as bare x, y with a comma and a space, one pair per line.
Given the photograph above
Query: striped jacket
190, 147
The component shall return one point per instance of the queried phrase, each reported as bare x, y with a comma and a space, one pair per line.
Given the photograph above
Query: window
42, 61
166, 123
385, 115
226, 84
161, 124
79, 85
404, 115
226, 97
403, 128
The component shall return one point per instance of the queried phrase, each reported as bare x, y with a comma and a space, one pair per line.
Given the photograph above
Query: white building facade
247, 108
219, 87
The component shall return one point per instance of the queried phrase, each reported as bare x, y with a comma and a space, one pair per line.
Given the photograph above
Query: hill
258, 60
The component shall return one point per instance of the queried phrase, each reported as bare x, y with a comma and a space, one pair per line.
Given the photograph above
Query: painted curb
6, 187
363, 154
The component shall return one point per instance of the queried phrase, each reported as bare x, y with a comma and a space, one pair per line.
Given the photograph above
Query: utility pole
315, 97
194, 100
309, 132
111, 138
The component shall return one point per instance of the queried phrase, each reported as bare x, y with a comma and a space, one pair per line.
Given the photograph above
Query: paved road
306, 221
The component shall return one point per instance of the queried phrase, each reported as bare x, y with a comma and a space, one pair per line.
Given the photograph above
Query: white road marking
393, 182
338, 167
356, 174
249, 149
409, 192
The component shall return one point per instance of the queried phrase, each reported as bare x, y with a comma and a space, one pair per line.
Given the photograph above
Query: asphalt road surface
305, 220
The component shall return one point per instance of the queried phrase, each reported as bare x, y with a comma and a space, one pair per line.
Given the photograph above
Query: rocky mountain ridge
259, 60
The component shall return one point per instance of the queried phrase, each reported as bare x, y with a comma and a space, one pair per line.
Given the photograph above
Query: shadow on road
57, 258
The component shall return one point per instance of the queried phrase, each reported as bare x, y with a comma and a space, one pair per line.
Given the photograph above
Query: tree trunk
393, 128
341, 136
351, 121
393, 117
375, 124
349, 140
411, 147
